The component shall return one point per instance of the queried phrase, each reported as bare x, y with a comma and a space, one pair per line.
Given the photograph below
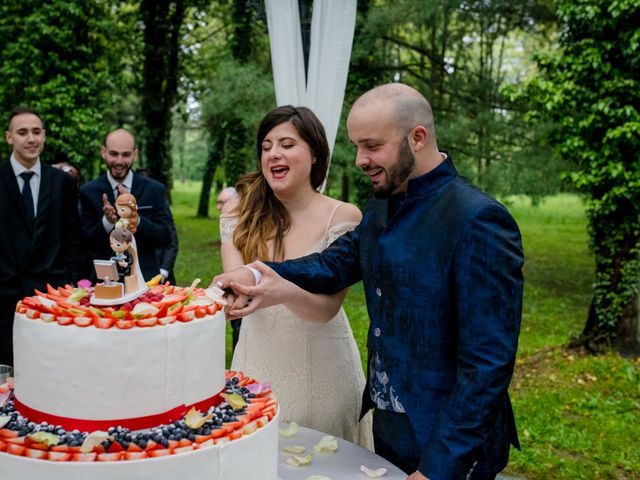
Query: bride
304, 348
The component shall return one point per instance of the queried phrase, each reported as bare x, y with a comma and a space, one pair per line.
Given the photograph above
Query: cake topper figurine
120, 240
123, 280
127, 210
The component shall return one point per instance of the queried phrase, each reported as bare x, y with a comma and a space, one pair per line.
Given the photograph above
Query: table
344, 464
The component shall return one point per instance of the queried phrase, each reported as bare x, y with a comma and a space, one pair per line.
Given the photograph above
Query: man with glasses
227, 200
98, 213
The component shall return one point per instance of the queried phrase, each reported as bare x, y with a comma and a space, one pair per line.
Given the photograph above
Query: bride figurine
127, 209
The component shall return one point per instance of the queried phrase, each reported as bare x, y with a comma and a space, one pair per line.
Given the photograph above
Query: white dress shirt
34, 183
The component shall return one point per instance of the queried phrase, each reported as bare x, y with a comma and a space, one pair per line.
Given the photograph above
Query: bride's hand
272, 290
234, 299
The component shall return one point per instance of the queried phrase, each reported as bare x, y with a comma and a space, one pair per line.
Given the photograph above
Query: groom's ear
418, 138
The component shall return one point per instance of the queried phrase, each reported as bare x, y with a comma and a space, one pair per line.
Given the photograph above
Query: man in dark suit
99, 215
441, 264
40, 238
166, 256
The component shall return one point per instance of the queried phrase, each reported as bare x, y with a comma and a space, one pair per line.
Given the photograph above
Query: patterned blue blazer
443, 281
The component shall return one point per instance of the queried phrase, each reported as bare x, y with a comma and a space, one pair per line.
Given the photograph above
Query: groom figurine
441, 264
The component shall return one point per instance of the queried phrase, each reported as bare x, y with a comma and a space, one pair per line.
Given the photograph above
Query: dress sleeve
227, 226
338, 230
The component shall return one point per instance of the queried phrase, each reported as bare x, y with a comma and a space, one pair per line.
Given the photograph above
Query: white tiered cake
131, 373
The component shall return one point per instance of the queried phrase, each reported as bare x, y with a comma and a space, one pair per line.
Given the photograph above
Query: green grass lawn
578, 416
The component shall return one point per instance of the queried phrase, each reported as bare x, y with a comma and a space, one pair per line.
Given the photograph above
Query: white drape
332, 28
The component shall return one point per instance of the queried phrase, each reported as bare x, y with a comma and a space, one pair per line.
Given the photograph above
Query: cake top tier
160, 305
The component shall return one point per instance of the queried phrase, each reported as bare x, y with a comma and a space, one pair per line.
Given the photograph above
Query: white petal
93, 439
327, 444
295, 449
298, 461
290, 430
4, 420
378, 472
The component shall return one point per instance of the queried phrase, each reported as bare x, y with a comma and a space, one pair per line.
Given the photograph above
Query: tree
591, 88
240, 91
242, 95
462, 56
162, 21
56, 57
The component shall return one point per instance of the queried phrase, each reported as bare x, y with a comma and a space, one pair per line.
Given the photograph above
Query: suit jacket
443, 281
153, 226
33, 255
167, 256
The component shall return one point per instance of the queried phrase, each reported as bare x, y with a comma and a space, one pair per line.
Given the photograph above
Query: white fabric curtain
332, 28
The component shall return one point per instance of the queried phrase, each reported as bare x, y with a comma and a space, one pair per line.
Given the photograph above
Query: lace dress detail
314, 368
227, 226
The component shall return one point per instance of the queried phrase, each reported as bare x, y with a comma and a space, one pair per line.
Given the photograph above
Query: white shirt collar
18, 168
127, 182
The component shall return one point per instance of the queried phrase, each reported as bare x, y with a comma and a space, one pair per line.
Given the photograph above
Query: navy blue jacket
443, 282
154, 220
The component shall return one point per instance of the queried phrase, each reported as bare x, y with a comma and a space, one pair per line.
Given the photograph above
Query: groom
441, 264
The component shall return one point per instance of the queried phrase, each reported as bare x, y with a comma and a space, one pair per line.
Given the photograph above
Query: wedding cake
131, 391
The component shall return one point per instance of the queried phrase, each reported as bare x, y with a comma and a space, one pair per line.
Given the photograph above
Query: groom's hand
417, 476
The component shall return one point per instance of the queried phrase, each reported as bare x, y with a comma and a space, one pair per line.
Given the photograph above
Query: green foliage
591, 90
558, 269
233, 108
57, 57
576, 415
465, 57
162, 20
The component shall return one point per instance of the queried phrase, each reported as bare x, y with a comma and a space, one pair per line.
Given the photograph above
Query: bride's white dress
314, 368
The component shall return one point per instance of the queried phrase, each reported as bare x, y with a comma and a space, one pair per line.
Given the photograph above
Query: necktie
27, 195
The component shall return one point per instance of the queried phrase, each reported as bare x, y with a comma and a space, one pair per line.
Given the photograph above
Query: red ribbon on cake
137, 423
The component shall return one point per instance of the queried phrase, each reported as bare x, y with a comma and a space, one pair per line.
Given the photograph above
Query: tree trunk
624, 338
614, 314
215, 154
627, 334
162, 22
345, 187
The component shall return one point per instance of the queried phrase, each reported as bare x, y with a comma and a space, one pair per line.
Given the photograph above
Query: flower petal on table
298, 461
327, 444
290, 430
295, 449
378, 472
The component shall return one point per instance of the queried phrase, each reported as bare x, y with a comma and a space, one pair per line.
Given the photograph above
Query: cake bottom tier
252, 456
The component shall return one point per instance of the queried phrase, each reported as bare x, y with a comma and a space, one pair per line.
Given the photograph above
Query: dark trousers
7, 311
396, 441
235, 331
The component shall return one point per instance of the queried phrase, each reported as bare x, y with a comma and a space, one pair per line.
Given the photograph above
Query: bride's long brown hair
261, 215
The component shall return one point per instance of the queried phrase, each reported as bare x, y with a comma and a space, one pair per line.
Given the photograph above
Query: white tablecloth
344, 464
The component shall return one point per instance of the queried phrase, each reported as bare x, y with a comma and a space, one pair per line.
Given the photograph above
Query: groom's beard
397, 173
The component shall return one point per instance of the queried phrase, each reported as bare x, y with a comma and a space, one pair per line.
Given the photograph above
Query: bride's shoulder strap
333, 212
